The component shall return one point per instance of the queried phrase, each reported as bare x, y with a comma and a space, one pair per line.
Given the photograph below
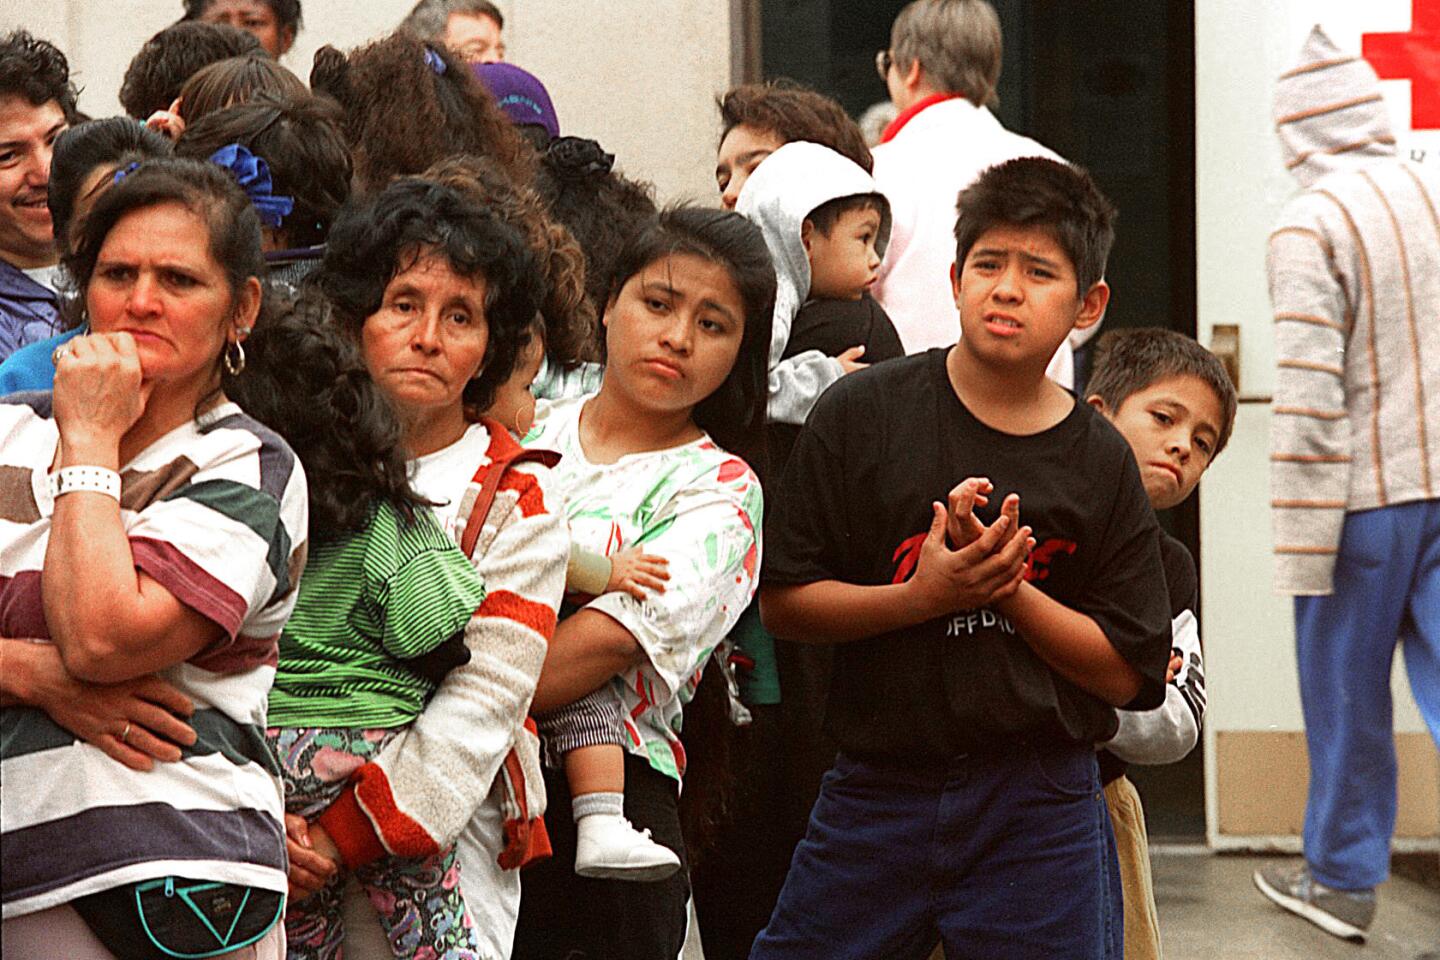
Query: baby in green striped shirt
379, 621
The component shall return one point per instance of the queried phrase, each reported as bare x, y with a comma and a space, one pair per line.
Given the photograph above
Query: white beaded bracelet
87, 479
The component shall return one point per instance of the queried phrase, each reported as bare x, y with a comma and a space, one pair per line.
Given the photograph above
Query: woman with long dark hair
654, 459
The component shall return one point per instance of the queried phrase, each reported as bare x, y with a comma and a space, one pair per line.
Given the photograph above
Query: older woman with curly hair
440, 296
409, 104
568, 316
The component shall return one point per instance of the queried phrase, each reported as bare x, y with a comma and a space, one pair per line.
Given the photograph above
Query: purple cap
520, 94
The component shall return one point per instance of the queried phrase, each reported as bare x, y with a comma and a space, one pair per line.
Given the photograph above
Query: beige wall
1265, 774
640, 77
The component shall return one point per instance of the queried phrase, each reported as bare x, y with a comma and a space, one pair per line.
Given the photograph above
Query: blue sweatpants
996, 856
1387, 590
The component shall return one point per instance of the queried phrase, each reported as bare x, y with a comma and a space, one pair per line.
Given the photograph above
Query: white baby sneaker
608, 847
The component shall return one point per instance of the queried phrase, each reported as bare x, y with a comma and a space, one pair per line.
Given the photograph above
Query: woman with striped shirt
148, 528
440, 297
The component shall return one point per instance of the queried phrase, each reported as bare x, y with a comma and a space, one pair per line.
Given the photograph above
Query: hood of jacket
779, 195
1329, 113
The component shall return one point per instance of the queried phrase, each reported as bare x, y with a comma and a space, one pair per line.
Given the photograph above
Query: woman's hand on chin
99, 392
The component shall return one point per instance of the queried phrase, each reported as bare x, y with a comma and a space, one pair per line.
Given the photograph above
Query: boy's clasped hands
965, 564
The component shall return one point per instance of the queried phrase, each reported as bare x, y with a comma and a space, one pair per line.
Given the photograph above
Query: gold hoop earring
234, 358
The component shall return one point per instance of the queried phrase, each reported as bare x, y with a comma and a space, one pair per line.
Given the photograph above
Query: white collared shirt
938, 153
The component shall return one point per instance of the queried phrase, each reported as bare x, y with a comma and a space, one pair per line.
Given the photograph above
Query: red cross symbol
1413, 56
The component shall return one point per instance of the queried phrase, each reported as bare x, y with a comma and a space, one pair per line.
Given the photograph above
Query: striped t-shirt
370, 606
216, 513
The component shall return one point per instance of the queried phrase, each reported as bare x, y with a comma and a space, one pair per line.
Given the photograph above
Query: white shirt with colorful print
697, 506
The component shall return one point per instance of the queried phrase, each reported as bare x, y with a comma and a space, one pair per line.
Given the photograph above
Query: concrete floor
1208, 909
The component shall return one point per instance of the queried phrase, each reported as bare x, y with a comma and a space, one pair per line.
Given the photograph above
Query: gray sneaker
1341, 913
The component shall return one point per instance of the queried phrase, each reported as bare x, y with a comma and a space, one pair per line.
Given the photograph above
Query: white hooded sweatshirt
777, 197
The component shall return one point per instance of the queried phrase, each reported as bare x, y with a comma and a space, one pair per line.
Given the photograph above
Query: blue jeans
1387, 590
1008, 855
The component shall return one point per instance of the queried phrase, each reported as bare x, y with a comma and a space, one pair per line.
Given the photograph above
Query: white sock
591, 804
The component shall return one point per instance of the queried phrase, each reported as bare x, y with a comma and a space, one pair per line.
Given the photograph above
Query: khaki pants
1142, 928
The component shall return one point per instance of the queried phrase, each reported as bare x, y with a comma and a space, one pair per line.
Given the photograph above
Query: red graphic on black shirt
907, 557
1037, 565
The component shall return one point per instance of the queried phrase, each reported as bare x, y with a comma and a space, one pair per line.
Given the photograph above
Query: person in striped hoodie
1354, 266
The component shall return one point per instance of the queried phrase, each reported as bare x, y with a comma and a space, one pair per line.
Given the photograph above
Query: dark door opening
1110, 86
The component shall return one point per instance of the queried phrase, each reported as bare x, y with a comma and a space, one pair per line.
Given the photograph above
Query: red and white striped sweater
424, 787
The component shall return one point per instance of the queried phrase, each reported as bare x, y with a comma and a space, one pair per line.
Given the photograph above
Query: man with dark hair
156, 74
37, 102
941, 69
469, 28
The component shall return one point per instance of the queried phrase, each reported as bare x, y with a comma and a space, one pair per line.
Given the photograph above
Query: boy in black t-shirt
978, 661
1174, 404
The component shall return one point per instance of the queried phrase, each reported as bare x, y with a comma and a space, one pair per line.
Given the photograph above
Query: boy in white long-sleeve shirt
1174, 403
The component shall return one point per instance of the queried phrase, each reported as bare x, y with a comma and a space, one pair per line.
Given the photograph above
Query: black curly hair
374, 241
113, 141
602, 209
156, 74
36, 70
305, 379
568, 314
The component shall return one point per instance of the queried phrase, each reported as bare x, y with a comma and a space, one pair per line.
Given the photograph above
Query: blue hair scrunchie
253, 175
125, 171
434, 60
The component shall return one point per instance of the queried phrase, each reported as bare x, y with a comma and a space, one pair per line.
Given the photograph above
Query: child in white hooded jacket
826, 225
